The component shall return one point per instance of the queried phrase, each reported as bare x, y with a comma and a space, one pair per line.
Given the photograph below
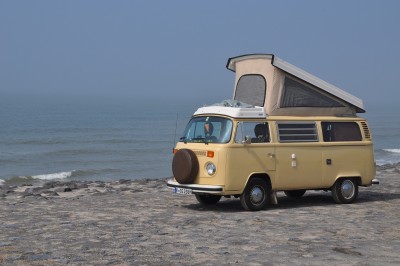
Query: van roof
236, 112
254, 64
258, 112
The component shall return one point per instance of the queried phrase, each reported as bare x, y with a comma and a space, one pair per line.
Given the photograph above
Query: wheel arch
263, 176
357, 179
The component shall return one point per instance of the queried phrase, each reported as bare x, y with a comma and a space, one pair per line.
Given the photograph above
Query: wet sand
143, 222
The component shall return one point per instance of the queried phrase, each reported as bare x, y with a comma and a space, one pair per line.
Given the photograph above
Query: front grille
200, 153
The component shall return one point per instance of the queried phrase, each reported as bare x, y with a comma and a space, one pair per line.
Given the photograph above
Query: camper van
284, 130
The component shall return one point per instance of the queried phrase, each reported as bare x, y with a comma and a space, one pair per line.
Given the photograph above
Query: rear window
341, 131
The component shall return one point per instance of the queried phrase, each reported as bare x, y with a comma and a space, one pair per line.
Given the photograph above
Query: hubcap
347, 189
257, 195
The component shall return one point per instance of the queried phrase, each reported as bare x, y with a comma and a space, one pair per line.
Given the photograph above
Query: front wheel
345, 190
208, 199
255, 195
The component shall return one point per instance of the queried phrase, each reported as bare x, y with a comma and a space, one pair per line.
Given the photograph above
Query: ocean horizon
90, 140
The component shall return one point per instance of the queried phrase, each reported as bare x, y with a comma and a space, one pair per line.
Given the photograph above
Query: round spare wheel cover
185, 166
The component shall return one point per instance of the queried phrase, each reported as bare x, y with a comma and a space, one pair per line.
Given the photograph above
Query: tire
295, 194
256, 194
345, 191
185, 166
208, 199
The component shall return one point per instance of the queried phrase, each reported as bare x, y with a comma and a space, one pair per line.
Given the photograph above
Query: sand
143, 222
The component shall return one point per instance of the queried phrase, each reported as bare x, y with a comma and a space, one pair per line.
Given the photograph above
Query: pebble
142, 222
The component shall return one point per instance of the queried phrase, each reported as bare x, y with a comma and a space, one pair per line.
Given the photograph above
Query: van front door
252, 153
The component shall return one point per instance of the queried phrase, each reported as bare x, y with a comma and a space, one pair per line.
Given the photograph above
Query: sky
177, 50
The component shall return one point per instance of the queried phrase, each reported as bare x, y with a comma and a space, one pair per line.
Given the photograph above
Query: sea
54, 139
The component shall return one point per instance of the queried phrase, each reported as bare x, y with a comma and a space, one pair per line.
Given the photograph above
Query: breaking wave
88, 174
392, 150
18, 180
60, 175
387, 156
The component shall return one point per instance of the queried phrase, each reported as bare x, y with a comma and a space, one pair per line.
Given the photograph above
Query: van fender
272, 195
357, 178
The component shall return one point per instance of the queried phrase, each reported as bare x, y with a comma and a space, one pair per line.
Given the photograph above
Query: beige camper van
285, 130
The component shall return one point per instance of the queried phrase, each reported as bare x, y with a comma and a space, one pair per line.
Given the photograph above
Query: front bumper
196, 189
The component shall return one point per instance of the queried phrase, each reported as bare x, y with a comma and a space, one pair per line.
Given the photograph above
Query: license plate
184, 191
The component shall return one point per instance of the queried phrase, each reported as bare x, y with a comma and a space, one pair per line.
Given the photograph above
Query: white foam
60, 175
381, 162
1, 182
392, 150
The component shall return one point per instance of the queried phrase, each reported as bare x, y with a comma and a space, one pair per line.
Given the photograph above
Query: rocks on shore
77, 188
395, 167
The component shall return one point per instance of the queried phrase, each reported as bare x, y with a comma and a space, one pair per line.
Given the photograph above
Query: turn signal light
175, 150
210, 154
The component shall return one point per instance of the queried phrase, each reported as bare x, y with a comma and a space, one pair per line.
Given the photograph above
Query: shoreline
31, 181
74, 188
127, 222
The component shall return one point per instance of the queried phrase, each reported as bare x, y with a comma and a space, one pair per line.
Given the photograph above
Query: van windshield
208, 129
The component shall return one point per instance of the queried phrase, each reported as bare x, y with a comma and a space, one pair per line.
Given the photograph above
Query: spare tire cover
185, 166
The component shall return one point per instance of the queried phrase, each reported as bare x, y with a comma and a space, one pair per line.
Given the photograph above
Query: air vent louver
367, 134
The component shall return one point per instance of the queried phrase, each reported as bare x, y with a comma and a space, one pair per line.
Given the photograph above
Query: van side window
251, 89
298, 94
257, 132
297, 132
341, 131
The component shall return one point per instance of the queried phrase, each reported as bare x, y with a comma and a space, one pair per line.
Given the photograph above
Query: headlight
211, 168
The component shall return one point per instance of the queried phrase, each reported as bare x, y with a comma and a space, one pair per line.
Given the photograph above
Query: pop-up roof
284, 89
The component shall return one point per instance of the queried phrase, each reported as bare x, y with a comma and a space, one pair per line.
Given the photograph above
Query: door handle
271, 155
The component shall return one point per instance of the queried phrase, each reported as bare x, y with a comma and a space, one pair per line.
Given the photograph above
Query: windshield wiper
198, 138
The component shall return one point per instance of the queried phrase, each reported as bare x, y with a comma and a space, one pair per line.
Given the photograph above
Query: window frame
202, 138
252, 136
343, 136
265, 87
297, 132
308, 88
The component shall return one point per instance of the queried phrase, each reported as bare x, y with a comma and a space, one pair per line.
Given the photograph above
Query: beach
141, 222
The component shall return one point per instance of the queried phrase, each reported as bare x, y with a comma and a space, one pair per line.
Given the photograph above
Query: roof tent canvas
284, 89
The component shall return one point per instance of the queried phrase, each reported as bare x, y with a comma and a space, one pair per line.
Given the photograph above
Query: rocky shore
142, 222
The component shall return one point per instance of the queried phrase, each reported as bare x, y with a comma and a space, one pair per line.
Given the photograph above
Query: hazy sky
178, 49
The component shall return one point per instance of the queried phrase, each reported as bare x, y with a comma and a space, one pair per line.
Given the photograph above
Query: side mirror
247, 140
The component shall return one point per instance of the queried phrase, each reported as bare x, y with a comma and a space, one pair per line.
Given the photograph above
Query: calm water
87, 141
384, 122
93, 141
